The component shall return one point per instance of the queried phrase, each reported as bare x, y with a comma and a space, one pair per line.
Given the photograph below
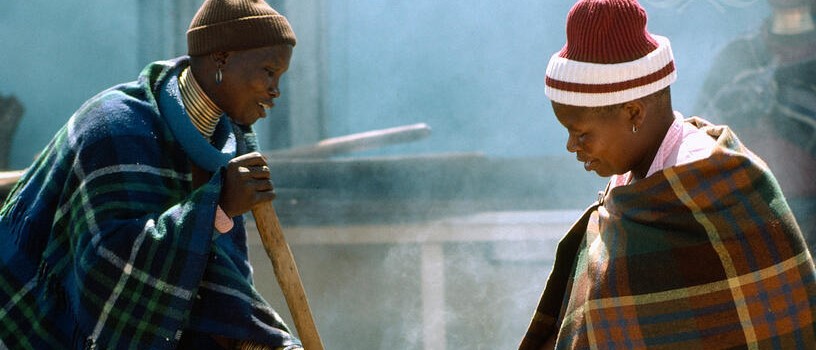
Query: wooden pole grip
287, 274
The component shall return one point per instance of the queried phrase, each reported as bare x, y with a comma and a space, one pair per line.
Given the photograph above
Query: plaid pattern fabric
705, 255
104, 243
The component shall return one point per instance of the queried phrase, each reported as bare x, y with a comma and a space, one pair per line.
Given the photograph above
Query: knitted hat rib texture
609, 57
235, 25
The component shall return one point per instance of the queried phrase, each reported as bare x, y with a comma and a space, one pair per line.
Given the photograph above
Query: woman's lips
265, 105
589, 164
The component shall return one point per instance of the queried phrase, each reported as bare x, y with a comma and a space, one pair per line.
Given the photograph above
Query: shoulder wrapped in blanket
104, 243
705, 255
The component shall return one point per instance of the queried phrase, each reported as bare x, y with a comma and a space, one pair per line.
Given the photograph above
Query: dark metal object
355, 142
11, 111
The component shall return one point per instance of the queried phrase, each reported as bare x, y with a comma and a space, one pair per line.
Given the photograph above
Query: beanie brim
586, 84
240, 34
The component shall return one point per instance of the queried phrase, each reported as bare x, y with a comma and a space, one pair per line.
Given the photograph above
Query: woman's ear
635, 112
220, 58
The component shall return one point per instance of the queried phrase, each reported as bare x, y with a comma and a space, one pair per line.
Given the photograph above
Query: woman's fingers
263, 185
250, 159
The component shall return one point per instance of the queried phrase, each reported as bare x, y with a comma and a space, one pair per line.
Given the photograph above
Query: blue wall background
55, 55
472, 70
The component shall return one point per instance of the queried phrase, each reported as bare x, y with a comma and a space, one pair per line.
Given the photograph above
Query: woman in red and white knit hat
692, 244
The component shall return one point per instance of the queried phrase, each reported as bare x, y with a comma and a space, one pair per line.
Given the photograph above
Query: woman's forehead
574, 117
277, 54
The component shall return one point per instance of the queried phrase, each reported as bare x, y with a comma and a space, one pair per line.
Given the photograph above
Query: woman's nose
275, 92
572, 144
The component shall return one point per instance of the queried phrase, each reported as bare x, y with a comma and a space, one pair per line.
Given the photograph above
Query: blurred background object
11, 111
763, 85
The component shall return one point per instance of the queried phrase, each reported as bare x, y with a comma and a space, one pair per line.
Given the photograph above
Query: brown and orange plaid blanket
705, 255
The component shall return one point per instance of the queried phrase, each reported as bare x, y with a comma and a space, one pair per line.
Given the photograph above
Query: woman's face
601, 138
251, 80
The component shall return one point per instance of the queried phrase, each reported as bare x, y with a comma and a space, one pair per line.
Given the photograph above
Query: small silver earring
634, 129
218, 76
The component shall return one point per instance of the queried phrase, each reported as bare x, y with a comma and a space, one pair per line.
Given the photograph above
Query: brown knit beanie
235, 25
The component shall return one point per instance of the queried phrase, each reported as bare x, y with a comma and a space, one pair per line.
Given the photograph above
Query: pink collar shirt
682, 144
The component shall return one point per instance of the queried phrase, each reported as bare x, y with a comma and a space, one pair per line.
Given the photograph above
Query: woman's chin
603, 172
248, 120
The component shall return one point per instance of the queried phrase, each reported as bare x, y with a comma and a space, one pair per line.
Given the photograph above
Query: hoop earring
220, 59
634, 129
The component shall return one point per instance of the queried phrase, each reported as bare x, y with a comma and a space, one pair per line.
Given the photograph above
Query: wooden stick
9, 178
287, 274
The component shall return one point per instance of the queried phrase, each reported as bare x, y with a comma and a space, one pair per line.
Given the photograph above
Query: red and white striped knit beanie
609, 57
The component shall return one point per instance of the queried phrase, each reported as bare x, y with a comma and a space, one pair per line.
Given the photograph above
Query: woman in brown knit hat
126, 232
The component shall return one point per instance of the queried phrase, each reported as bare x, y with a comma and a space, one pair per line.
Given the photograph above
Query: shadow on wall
11, 111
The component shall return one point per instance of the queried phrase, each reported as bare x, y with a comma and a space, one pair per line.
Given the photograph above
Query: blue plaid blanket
104, 243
